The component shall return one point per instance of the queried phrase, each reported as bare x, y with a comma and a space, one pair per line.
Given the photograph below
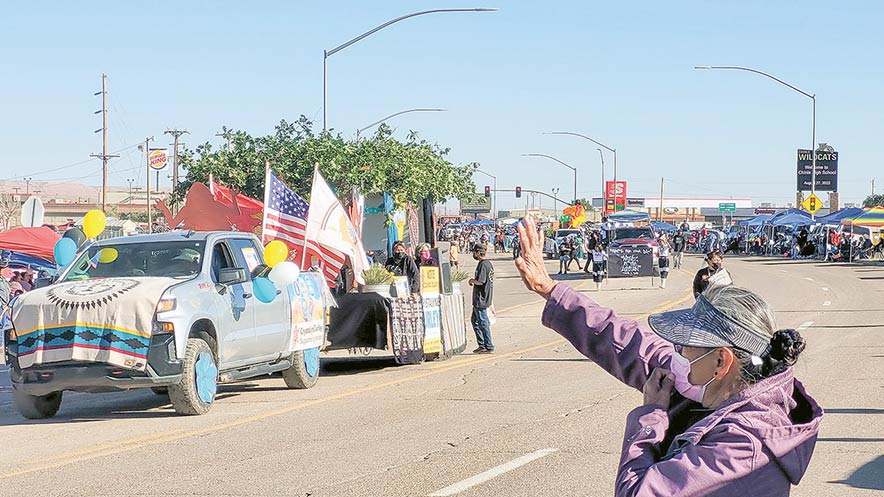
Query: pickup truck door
236, 315
272, 327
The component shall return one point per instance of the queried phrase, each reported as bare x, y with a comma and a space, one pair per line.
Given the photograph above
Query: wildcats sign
826, 171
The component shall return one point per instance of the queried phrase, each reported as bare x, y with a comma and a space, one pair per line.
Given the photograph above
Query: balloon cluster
282, 272
65, 250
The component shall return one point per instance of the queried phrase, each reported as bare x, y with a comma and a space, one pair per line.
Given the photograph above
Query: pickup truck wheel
304, 372
195, 392
37, 406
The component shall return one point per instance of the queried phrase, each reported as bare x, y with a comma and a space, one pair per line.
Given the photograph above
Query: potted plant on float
377, 280
457, 277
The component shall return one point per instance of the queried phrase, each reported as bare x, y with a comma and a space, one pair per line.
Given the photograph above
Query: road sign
812, 204
157, 160
727, 207
32, 213
475, 204
826, 171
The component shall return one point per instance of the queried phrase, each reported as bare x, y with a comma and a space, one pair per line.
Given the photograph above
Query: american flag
285, 219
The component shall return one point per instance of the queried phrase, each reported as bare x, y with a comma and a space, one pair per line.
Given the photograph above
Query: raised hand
530, 262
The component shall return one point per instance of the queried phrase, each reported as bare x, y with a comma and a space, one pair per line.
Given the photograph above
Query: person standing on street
679, 244
564, 256
598, 259
704, 277
483, 293
723, 414
665, 249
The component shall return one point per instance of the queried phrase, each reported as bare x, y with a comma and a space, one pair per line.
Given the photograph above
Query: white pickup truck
174, 312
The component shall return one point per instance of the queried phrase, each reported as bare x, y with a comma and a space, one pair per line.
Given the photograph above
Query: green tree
410, 169
874, 200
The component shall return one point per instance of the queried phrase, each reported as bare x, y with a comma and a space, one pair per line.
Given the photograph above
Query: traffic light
518, 192
487, 191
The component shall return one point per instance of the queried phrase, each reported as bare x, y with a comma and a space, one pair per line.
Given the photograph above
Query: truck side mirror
232, 276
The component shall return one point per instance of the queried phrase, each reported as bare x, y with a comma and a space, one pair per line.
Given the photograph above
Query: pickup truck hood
106, 320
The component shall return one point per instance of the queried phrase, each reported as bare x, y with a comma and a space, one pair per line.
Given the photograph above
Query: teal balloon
65, 251
264, 289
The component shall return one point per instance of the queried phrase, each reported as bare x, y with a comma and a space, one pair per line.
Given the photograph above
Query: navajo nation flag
285, 219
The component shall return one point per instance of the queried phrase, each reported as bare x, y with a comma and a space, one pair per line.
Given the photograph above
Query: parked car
551, 250
174, 312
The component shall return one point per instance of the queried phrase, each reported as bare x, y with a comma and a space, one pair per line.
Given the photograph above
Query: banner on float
432, 323
629, 261
307, 312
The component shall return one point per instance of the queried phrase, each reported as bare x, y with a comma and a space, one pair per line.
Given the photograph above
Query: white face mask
681, 369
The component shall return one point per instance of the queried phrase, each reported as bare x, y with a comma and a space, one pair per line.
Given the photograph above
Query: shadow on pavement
153, 406
354, 365
870, 475
854, 411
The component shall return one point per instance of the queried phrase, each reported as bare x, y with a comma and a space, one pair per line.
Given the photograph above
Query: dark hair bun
786, 346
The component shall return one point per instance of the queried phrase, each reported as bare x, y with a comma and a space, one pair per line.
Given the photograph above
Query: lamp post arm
756, 71
329, 53
553, 158
609, 149
379, 121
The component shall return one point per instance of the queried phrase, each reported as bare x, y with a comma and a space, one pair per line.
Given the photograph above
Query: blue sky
616, 71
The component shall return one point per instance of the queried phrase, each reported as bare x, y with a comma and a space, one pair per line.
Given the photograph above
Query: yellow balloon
275, 252
94, 223
108, 255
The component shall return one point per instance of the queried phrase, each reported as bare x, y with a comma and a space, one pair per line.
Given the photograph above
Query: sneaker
485, 351
479, 350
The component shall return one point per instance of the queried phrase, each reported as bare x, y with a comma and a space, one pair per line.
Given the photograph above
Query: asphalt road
533, 419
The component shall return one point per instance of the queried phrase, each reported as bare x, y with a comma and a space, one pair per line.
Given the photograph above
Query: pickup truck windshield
176, 259
625, 233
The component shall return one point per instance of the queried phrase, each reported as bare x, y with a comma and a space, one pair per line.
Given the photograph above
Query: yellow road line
101, 447
147, 441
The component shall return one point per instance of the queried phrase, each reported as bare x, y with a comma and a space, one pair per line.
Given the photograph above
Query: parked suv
174, 312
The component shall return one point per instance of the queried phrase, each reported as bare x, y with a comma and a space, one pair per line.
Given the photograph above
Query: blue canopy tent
757, 220
663, 226
629, 216
835, 218
480, 222
791, 219
789, 212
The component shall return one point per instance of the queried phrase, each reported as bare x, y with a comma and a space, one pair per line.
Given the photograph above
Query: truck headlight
166, 305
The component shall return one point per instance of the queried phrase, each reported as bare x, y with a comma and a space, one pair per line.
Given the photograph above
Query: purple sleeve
620, 346
725, 454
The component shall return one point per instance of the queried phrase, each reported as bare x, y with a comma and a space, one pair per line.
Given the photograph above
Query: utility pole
226, 136
175, 133
660, 212
146, 149
103, 156
873, 186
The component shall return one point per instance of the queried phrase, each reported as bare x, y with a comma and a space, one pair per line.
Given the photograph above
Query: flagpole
211, 184
304, 252
266, 201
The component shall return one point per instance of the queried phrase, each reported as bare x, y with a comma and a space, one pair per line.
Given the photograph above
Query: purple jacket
757, 443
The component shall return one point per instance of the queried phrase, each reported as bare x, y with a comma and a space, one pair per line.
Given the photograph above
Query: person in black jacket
713, 266
402, 264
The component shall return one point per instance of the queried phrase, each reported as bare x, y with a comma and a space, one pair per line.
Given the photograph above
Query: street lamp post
562, 163
609, 149
811, 96
555, 200
379, 121
28, 186
494, 199
602, 157
328, 53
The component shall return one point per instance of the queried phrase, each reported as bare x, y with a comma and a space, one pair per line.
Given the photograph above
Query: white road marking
808, 278
491, 473
805, 325
825, 289
828, 302
782, 270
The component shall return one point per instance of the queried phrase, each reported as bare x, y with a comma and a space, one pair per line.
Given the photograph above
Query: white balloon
284, 273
